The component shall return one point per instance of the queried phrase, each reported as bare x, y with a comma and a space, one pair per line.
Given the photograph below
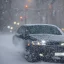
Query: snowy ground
9, 54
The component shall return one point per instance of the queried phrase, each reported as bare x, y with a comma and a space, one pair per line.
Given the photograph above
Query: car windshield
43, 29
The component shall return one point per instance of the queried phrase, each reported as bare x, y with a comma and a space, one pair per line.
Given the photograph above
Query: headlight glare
36, 43
33, 43
43, 42
39, 43
62, 44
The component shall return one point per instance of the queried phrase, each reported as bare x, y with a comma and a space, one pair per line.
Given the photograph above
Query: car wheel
30, 57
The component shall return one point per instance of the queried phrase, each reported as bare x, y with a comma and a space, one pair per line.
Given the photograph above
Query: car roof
38, 24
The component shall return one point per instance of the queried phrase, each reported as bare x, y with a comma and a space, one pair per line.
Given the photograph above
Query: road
9, 54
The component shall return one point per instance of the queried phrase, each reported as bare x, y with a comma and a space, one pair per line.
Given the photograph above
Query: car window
43, 29
21, 30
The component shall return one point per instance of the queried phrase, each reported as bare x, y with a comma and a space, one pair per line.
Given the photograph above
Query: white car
41, 41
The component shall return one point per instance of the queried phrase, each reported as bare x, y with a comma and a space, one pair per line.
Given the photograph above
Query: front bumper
52, 51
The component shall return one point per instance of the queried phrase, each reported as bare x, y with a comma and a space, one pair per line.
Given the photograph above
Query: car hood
48, 37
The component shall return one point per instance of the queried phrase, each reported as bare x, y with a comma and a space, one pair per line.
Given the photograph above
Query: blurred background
14, 13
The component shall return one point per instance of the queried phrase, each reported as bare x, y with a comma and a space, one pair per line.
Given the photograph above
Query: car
40, 41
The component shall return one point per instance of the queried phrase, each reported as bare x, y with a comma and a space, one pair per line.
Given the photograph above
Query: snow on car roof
39, 24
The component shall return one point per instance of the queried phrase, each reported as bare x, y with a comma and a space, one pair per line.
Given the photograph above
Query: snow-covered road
9, 54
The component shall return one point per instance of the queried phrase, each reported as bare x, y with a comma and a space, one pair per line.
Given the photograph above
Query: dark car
40, 41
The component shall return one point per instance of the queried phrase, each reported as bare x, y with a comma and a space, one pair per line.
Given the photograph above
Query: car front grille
49, 48
56, 48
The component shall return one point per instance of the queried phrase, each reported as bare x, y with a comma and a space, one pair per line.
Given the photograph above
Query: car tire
30, 56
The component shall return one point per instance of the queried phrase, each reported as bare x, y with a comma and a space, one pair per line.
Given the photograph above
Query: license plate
59, 54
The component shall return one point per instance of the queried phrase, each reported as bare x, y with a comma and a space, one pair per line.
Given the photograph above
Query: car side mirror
23, 35
26, 34
20, 35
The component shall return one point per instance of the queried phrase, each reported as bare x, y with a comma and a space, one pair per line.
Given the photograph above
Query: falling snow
31, 12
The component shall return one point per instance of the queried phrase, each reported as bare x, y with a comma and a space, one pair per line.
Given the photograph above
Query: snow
9, 54
45, 24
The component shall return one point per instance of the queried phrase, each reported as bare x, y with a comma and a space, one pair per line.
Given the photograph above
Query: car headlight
43, 42
38, 43
62, 44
